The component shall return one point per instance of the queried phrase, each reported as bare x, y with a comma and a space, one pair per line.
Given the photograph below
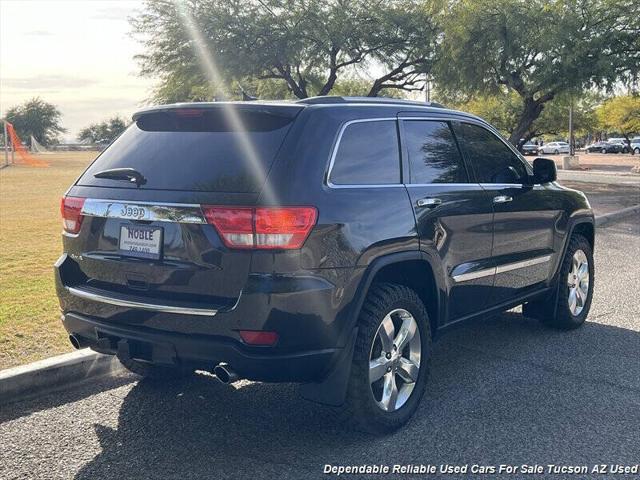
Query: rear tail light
258, 337
71, 211
264, 227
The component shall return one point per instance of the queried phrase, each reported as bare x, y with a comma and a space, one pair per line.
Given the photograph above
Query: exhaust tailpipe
225, 373
76, 341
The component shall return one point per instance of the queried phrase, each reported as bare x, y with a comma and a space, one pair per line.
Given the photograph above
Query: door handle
428, 202
502, 199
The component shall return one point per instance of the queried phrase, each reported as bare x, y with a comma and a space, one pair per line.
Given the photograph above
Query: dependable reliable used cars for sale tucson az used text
325, 242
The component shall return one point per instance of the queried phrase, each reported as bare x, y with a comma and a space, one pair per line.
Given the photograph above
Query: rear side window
368, 154
492, 160
433, 154
218, 149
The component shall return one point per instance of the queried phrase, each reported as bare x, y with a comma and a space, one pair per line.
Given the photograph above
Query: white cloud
77, 55
44, 82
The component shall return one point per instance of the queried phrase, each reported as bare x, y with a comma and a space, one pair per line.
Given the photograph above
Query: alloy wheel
578, 283
394, 360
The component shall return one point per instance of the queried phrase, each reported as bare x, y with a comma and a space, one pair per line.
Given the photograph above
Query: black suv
325, 242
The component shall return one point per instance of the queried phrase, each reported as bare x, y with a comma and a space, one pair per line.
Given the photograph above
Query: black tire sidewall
375, 418
564, 316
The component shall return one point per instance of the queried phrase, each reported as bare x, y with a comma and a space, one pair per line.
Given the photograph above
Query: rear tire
556, 152
574, 290
393, 318
604, 150
153, 371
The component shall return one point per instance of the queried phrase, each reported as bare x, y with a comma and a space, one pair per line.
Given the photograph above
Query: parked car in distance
529, 149
635, 145
604, 147
326, 242
554, 148
622, 142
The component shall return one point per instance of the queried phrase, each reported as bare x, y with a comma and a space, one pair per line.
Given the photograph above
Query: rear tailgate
149, 241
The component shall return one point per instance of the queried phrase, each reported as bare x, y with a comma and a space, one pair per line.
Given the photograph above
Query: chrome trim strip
141, 305
507, 267
150, 211
443, 118
470, 184
464, 277
523, 264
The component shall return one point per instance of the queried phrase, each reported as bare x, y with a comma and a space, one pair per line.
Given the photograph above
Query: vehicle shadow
506, 390
63, 396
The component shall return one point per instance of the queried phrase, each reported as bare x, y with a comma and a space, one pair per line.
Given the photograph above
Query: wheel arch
394, 267
414, 269
584, 225
587, 229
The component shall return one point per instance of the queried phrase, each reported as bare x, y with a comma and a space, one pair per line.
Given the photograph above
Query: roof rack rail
337, 99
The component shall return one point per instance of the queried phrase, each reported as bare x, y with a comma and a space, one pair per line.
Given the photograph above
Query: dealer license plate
140, 241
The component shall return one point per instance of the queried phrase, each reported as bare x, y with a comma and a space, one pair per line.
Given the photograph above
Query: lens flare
212, 72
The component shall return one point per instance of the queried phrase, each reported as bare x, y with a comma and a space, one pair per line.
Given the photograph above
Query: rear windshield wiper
129, 174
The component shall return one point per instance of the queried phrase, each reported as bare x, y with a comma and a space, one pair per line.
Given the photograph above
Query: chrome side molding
523, 264
465, 277
150, 211
507, 267
120, 302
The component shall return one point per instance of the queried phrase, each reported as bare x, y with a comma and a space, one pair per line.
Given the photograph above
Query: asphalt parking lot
505, 390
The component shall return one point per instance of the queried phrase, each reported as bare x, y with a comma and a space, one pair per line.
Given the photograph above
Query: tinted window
208, 150
368, 154
492, 160
433, 154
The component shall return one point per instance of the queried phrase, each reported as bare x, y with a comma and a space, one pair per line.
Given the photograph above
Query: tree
620, 115
38, 118
538, 49
502, 111
197, 48
103, 132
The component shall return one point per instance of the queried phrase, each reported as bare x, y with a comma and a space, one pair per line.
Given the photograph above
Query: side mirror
544, 171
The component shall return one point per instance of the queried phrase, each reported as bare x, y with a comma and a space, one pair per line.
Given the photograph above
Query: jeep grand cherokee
325, 242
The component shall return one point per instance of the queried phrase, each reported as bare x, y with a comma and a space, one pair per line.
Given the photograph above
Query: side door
453, 213
525, 215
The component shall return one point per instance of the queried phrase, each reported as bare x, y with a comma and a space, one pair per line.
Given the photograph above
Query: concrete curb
608, 218
72, 368
53, 373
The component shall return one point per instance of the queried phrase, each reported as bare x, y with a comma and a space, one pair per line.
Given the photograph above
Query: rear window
222, 149
368, 154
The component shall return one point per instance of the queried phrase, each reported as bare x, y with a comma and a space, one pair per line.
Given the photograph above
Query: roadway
504, 390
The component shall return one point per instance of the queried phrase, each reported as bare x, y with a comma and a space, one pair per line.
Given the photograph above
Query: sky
76, 54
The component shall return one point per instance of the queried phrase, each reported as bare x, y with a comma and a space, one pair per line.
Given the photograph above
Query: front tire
390, 361
604, 150
574, 289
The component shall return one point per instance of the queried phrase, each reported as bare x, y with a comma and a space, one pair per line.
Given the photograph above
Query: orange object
24, 157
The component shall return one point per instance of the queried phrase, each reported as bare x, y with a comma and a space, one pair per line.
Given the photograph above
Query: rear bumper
199, 351
308, 310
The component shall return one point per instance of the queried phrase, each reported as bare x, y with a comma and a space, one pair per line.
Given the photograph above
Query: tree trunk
376, 88
331, 80
530, 113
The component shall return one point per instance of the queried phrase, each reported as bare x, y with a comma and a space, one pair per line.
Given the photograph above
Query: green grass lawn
30, 227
